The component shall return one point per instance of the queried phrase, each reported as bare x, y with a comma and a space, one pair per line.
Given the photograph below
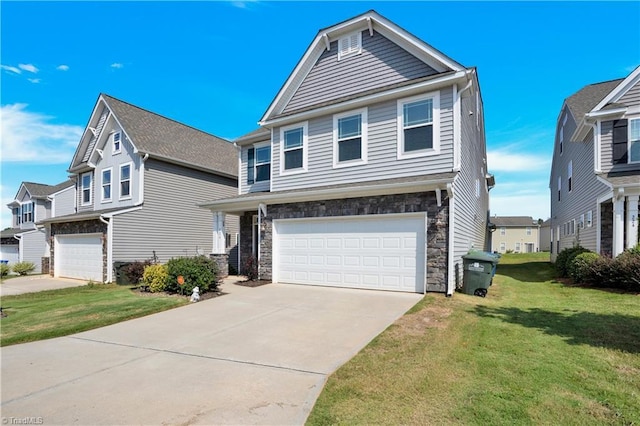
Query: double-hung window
570, 176
589, 218
117, 143
125, 181
27, 212
293, 149
419, 126
528, 229
350, 138
263, 163
85, 185
559, 187
503, 231
106, 185
634, 140
626, 141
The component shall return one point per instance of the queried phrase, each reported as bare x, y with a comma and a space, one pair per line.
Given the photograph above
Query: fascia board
620, 89
84, 133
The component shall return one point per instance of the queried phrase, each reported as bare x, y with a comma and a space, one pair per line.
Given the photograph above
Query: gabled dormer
33, 203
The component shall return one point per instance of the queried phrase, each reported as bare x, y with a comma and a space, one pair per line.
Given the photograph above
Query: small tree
23, 268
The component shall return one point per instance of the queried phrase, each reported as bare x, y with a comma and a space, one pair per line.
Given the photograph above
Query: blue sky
217, 66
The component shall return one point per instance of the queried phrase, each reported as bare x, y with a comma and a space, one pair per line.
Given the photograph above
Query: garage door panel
377, 253
79, 257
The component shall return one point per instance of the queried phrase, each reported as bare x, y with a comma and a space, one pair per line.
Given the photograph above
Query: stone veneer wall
82, 227
437, 226
222, 260
606, 228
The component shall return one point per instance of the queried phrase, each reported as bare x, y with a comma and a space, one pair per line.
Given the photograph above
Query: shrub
565, 257
135, 270
156, 277
578, 268
622, 272
4, 270
198, 271
250, 268
23, 268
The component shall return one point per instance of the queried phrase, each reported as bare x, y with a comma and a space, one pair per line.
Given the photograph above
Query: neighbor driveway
35, 283
254, 356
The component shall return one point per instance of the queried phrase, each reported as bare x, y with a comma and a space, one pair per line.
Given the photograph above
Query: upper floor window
350, 138
559, 187
503, 231
117, 142
561, 136
589, 218
106, 185
419, 126
263, 163
350, 45
570, 176
27, 212
528, 230
85, 182
626, 141
125, 181
634, 140
18, 215
293, 148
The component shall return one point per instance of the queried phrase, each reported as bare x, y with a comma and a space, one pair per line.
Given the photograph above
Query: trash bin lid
482, 255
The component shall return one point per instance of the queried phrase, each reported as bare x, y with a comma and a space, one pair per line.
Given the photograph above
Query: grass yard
533, 351
55, 313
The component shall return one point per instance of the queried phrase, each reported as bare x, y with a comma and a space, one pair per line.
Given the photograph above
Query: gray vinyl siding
380, 64
244, 186
382, 162
632, 97
470, 212
33, 248
170, 223
64, 203
41, 210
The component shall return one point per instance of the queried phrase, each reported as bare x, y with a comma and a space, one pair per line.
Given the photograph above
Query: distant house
595, 172
34, 202
545, 235
518, 234
138, 177
369, 169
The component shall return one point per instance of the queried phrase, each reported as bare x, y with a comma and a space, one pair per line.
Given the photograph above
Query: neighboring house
595, 173
369, 169
33, 203
138, 178
518, 234
545, 235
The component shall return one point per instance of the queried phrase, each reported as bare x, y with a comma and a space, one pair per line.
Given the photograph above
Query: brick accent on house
222, 260
82, 227
437, 226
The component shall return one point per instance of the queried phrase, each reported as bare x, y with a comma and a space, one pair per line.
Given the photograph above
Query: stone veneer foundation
437, 226
94, 226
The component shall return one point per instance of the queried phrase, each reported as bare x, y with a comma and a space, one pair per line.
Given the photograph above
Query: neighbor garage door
79, 256
372, 252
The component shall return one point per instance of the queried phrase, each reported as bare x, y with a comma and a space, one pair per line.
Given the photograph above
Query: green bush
565, 257
23, 268
4, 270
579, 266
199, 271
156, 277
623, 272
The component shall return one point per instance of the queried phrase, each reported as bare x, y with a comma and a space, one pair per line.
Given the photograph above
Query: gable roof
372, 21
583, 101
164, 139
42, 190
507, 221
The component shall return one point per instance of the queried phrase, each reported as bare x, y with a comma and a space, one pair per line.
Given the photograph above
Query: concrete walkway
35, 283
254, 356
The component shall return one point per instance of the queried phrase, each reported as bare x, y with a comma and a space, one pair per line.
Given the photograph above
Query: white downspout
141, 183
450, 268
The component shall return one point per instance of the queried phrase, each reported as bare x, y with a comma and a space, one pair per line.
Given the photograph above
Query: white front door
78, 256
372, 252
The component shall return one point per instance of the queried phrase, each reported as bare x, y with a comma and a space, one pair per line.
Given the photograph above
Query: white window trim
350, 52
126, 197
255, 161
32, 206
570, 177
528, 230
564, 121
82, 189
503, 230
113, 143
435, 150
629, 119
363, 138
559, 188
102, 199
581, 222
305, 148
589, 218
503, 247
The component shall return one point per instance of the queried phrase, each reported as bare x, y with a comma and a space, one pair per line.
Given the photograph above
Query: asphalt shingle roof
513, 221
41, 190
588, 97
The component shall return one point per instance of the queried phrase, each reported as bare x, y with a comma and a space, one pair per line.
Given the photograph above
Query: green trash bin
479, 268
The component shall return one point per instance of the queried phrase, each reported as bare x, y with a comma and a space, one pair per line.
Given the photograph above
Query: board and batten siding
170, 223
64, 202
382, 150
33, 247
470, 212
381, 63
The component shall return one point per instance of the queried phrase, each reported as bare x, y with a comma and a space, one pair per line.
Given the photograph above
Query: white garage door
10, 253
79, 256
372, 252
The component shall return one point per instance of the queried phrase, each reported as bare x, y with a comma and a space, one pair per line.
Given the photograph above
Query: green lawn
55, 313
532, 352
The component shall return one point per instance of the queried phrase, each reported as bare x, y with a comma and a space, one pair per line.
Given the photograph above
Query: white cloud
11, 69
62, 67
503, 161
536, 205
29, 137
7, 197
117, 65
28, 67
34, 80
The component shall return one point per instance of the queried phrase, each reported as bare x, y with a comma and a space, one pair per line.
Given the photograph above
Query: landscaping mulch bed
252, 283
203, 296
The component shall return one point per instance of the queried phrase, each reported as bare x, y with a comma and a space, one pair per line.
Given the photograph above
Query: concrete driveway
254, 356
35, 283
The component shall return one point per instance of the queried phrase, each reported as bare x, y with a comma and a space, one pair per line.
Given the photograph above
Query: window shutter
620, 142
250, 165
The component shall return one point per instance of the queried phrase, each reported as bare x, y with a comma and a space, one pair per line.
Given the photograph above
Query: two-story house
138, 177
35, 202
595, 173
369, 169
518, 234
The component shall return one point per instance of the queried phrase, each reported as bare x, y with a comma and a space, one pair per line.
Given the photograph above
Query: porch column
219, 239
632, 221
618, 226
